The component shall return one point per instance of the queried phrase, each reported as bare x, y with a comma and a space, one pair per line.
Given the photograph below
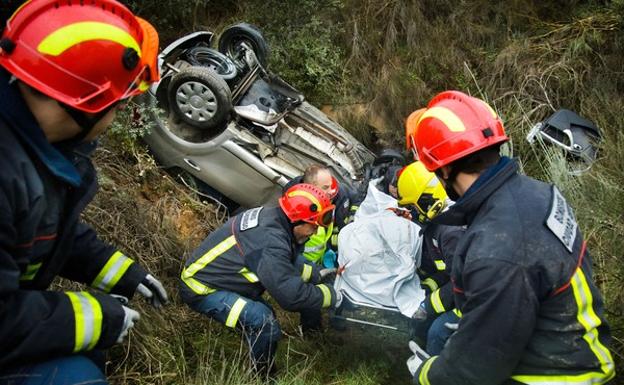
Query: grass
388, 58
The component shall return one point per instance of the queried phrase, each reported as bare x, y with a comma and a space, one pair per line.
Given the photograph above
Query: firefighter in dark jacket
57, 96
320, 249
421, 192
521, 274
256, 251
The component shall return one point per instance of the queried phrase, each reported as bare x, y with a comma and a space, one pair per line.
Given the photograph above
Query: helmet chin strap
84, 121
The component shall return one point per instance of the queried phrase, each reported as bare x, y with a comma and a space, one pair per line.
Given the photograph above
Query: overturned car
236, 131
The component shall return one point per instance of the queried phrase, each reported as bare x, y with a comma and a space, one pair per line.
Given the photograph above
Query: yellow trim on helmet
70, 35
307, 195
446, 116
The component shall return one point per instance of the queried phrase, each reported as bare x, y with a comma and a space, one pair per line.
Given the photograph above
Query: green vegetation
527, 58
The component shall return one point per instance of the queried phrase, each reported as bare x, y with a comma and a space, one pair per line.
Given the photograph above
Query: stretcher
378, 254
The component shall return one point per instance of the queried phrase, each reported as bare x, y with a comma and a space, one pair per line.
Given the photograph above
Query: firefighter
256, 251
521, 273
326, 240
65, 67
421, 192
321, 248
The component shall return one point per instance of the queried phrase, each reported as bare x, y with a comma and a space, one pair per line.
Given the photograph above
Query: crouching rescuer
256, 251
521, 274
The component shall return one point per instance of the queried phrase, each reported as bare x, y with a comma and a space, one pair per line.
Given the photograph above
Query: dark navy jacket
522, 279
42, 193
254, 251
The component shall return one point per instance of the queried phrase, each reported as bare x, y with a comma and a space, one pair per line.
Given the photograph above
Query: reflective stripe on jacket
315, 247
41, 237
522, 280
254, 251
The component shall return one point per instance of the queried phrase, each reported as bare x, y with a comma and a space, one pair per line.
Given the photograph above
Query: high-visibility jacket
315, 247
254, 251
522, 278
42, 193
346, 204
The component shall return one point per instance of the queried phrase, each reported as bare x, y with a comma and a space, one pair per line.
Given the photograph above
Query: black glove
328, 275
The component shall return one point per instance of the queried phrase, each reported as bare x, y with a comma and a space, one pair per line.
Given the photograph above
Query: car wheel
200, 98
234, 36
213, 59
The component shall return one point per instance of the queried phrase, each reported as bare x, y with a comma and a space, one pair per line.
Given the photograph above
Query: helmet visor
325, 217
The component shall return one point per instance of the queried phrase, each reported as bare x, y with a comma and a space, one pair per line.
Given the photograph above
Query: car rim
196, 101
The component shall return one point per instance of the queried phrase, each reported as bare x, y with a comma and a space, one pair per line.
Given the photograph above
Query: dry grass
526, 58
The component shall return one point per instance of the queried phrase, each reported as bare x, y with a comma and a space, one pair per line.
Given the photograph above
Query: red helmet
85, 54
307, 203
453, 126
333, 189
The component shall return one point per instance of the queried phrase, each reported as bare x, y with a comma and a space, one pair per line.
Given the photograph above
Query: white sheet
380, 253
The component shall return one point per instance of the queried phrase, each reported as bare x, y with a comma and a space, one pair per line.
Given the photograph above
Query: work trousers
70, 370
439, 333
256, 319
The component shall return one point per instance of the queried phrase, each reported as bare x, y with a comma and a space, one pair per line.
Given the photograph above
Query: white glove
153, 291
338, 299
419, 356
452, 326
130, 317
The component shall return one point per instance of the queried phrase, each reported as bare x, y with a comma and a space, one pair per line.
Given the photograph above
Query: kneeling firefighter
256, 251
421, 192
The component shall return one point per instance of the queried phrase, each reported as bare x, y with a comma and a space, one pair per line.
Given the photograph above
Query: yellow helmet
421, 188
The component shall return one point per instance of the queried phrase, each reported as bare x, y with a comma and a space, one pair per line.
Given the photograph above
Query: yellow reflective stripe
590, 321
423, 378
314, 248
197, 287
88, 320
457, 312
250, 276
436, 302
31, 271
235, 312
334, 240
68, 36
210, 256
592, 378
440, 265
587, 317
326, 295
309, 196
306, 274
430, 283
446, 116
111, 273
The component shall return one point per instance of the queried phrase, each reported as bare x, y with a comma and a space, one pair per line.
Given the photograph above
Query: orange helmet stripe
446, 116
68, 36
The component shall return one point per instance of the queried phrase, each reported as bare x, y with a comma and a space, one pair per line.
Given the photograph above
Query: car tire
248, 33
200, 98
211, 58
